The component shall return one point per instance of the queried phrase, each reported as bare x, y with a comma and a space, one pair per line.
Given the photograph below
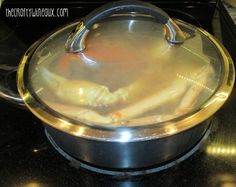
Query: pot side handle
76, 40
7, 80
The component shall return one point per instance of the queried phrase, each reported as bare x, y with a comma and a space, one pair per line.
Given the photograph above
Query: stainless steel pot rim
134, 133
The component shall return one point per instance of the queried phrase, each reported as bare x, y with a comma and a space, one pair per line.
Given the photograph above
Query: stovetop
27, 158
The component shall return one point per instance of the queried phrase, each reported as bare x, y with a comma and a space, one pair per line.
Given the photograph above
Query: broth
118, 78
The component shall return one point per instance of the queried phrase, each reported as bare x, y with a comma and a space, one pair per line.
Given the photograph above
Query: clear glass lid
128, 74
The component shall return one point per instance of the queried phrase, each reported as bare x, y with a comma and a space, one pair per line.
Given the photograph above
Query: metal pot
129, 88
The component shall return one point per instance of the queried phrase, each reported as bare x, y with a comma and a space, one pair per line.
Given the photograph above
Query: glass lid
123, 71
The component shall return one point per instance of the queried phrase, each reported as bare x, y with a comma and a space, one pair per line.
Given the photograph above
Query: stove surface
27, 159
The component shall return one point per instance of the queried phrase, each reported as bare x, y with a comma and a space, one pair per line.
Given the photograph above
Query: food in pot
187, 92
114, 82
82, 94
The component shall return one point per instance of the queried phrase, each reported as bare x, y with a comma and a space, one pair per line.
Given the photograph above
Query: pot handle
76, 40
7, 79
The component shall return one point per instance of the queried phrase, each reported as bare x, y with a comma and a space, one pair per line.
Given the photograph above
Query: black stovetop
27, 158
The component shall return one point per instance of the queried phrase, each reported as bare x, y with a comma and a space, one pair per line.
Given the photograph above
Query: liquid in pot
128, 74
